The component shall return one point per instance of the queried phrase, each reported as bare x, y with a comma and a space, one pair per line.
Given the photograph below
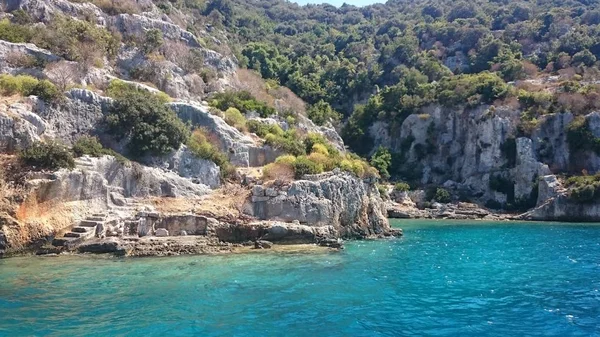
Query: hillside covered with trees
386, 61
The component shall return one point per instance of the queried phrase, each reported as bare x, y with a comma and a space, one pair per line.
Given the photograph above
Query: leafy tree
321, 113
149, 126
382, 160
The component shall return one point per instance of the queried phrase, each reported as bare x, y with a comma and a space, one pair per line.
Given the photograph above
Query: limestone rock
263, 244
231, 141
94, 177
8, 48
46, 10
351, 206
187, 165
161, 232
528, 169
549, 188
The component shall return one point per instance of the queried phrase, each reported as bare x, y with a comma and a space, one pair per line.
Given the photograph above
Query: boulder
161, 232
263, 244
105, 246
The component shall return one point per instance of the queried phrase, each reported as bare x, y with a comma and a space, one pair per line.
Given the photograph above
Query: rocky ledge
352, 207
458, 211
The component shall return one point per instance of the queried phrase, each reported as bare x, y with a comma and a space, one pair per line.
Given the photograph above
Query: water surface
441, 279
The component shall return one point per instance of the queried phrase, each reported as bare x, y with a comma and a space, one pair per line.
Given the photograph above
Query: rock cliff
350, 205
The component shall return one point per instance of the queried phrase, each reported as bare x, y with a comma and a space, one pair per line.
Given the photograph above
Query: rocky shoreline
457, 211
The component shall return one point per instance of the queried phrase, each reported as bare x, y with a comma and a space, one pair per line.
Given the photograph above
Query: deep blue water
441, 279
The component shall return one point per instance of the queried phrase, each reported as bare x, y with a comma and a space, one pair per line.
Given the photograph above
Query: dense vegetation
145, 122
386, 61
47, 156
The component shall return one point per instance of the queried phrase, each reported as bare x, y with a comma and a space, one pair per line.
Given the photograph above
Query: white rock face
528, 169
46, 10
550, 140
561, 208
549, 188
161, 232
94, 178
19, 127
187, 165
353, 207
8, 48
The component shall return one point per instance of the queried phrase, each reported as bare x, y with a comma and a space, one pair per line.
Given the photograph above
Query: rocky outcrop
106, 179
10, 50
242, 150
561, 208
46, 10
477, 152
350, 205
19, 127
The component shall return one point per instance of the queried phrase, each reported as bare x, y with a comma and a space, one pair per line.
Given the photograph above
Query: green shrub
584, 189
263, 129
303, 166
381, 160
14, 33
286, 160
199, 145
314, 138
235, 118
243, 101
118, 88
77, 40
320, 148
474, 89
438, 194
90, 146
50, 156
27, 85
321, 113
289, 142
47, 91
146, 122
153, 40
402, 187
383, 191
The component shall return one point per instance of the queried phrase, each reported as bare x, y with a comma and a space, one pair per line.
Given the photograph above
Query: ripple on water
441, 279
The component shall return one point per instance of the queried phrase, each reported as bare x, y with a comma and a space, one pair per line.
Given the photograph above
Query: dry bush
275, 171
20, 59
12, 184
573, 102
89, 55
252, 82
188, 59
530, 69
280, 98
116, 7
63, 74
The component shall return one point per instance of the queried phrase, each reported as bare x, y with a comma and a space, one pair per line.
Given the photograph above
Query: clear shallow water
439, 280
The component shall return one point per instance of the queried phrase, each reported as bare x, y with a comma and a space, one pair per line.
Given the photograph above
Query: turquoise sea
441, 279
